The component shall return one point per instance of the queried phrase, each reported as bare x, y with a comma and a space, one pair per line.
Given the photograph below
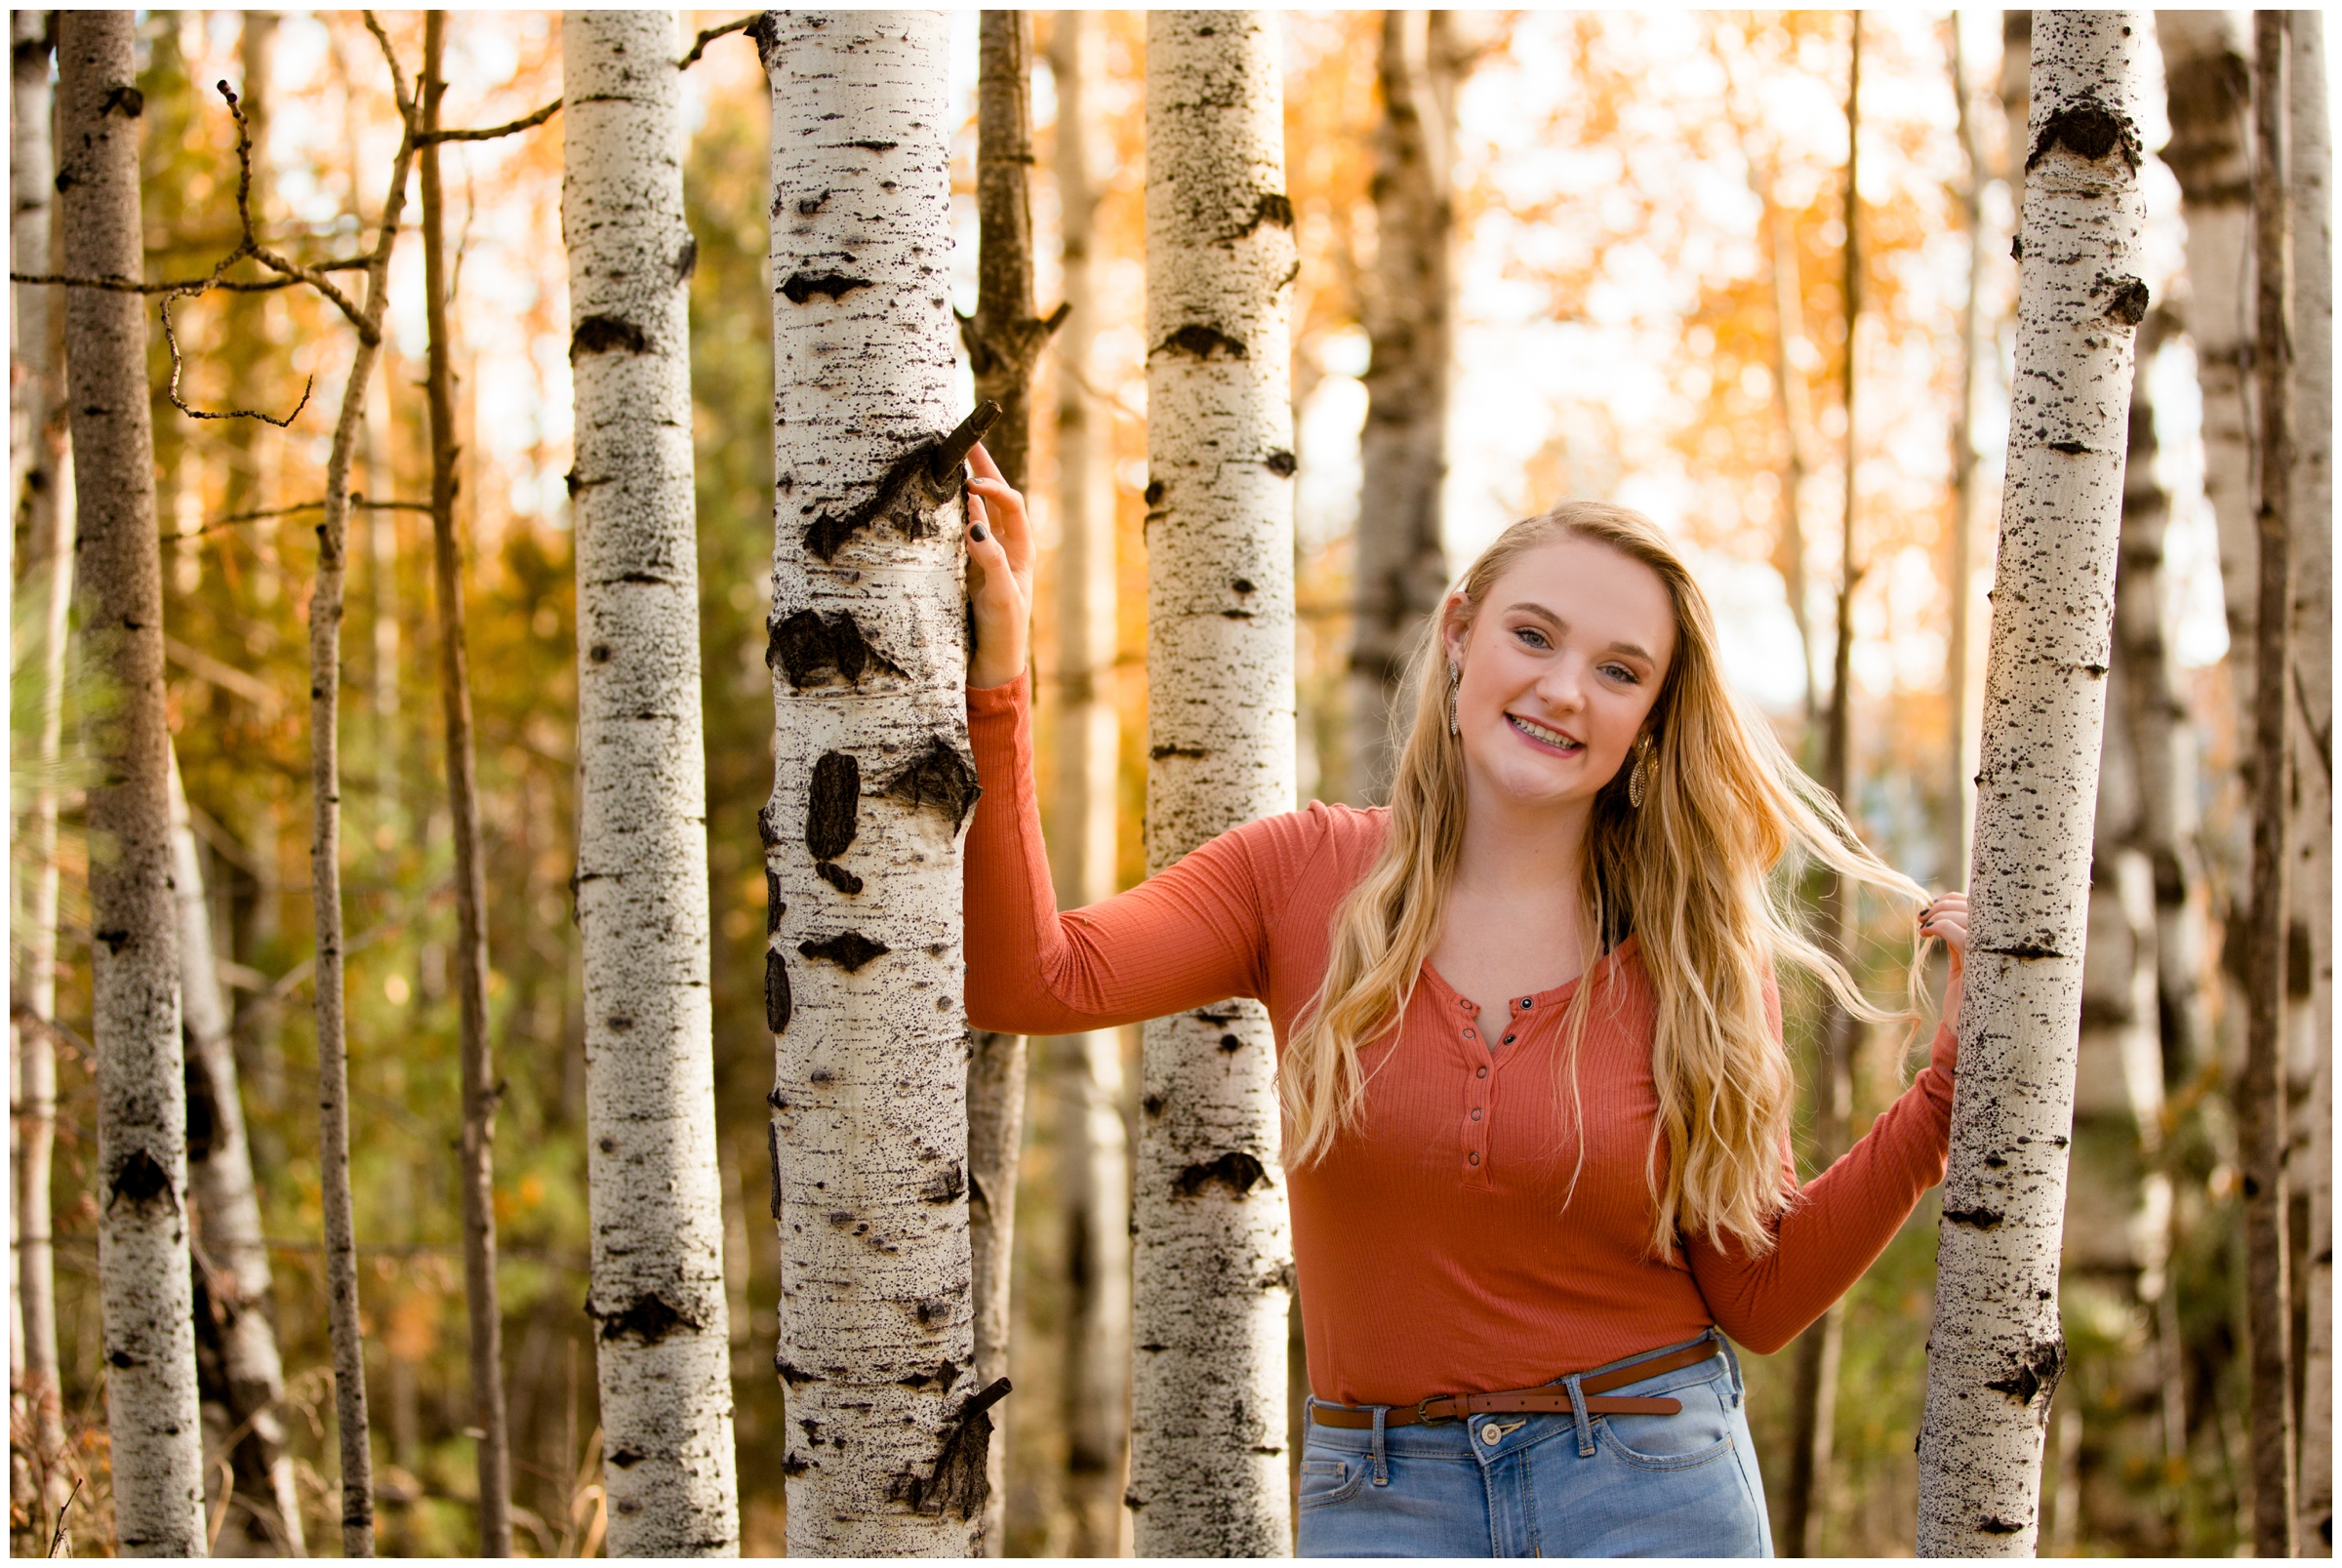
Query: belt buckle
1423, 1412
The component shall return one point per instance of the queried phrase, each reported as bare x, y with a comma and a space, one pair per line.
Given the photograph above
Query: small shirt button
1475, 1114
1528, 1002
1472, 1159
1508, 1039
1469, 1035
1481, 1073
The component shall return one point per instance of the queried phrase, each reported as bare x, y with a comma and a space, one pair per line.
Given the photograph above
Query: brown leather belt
1553, 1399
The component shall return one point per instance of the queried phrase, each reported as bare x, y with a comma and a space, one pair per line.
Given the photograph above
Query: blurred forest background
1629, 190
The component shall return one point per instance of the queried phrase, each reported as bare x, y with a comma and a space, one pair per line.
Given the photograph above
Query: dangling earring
1638, 782
1455, 678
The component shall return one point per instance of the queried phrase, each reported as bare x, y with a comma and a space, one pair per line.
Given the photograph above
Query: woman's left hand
1946, 920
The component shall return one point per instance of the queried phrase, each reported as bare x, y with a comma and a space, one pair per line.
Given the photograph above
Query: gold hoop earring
1455, 679
1638, 782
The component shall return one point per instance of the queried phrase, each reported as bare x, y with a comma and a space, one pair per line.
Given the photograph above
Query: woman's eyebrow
1532, 607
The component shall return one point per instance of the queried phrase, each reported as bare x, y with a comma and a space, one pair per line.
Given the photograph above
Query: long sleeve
1196, 933
1838, 1225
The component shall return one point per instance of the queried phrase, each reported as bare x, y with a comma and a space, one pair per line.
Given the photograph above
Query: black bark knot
1273, 207
2130, 303
941, 776
687, 258
837, 876
832, 808
1237, 1171
807, 643
1991, 1524
648, 1318
140, 1180
957, 1481
921, 478
943, 1186
129, 100
2034, 1373
1200, 342
848, 949
1976, 1219
607, 335
803, 285
2091, 129
778, 1003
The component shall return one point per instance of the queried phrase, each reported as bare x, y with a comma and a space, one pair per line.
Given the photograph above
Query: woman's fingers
1003, 506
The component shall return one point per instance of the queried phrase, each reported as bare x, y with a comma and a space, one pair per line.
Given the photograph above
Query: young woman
1537, 1108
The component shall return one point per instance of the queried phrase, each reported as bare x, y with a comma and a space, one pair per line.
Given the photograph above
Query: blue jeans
1684, 1485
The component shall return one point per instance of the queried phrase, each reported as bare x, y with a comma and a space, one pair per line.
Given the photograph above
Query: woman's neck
1513, 852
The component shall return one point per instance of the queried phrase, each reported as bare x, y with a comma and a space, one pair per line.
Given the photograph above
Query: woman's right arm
1192, 935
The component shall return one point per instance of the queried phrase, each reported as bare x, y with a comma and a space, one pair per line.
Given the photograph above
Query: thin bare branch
357, 503
398, 81
170, 336
526, 123
709, 35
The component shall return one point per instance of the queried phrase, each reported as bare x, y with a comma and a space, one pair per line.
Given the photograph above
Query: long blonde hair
1693, 873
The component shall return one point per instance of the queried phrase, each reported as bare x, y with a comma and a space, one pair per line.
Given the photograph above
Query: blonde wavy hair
1696, 874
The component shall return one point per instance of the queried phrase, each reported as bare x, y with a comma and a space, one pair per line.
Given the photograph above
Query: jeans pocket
1326, 1481
1700, 1433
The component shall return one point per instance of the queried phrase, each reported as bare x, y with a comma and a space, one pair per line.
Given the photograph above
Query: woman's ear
1454, 629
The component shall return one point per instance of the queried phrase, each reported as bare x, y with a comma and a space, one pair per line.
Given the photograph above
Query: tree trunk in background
1961, 574
656, 1203
1093, 1147
872, 786
1214, 1256
352, 1427
235, 1296
152, 1421
1814, 1389
480, 1089
1409, 309
1004, 340
2313, 869
1996, 1350
42, 493
2261, 1091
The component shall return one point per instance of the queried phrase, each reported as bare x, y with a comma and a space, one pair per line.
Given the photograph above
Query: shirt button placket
1475, 1114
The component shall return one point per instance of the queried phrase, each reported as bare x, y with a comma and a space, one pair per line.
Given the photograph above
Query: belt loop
1577, 1408
1382, 1468
1732, 1360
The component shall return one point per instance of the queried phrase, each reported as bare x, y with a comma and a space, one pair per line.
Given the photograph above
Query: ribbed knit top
1471, 1235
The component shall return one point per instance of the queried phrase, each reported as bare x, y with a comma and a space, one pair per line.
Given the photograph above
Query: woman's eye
1532, 636
1620, 673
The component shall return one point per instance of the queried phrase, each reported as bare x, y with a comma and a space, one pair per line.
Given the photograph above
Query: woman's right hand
1000, 553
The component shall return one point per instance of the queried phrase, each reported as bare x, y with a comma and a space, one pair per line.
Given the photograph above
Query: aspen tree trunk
1003, 339
1411, 309
1961, 575
152, 1421
43, 496
1814, 1389
234, 1323
872, 786
351, 1422
1093, 1146
1214, 1256
1996, 1351
2261, 1091
480, 1089
658, 1246
2311, 188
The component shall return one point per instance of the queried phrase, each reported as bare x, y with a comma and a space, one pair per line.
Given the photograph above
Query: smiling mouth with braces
1538, 732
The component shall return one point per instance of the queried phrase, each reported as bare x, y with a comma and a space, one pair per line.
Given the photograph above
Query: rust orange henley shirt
1436, 1251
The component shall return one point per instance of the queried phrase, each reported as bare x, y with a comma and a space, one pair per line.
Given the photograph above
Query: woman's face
1562, 665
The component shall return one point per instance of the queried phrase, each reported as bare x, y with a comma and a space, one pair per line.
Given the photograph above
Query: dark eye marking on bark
941, 776
803, 285
778, 1003
129, 100
774, 908
848, 949
115, 940
1158, 753
2024, 949
2130, 302
806, 643
1200, 342
1273, 207
946, 1374
1154, 491
687, 258
838, 877
1994, 1525
626, 1459
796, 1377
809, 205
772, 1150
607, 335
943, 1186
2034, 1374
1153, 1104
874, 146
2071, 449
1237, 1171
911, 487
203, 1104
830, 808
142, 1179
1230, 1042
768, 826
1280, 464
1978, 1218
2091, 129
957, 1481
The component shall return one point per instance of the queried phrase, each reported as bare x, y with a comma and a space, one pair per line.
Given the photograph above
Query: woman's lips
1551, 740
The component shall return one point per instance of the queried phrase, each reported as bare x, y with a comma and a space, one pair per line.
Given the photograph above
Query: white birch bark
1409, 319
1092, 1144
887, 1435
1996, 1351
658, 1234
2208, 76
1213, 1257
227, 1211
145, 1290
43, 494
2312, 871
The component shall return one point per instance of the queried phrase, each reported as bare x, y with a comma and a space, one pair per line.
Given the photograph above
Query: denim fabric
1684, 1485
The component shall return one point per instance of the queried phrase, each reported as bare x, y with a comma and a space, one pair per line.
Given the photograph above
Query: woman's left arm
1837, 1226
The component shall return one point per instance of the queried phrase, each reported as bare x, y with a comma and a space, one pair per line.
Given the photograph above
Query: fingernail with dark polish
978, 533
